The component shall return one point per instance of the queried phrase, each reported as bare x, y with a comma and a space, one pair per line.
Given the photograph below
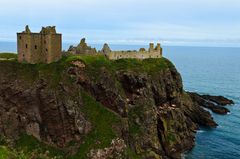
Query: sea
206, 70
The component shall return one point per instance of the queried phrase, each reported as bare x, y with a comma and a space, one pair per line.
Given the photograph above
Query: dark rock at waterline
214, 103
220, 100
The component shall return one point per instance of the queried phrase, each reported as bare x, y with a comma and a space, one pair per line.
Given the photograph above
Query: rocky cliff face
155, 117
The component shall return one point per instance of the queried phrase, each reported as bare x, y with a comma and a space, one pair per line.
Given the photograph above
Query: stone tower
43, 47
151, 47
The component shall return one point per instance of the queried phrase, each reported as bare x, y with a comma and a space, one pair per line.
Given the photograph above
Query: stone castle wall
54, 42
133, 54
43, 47
141, 54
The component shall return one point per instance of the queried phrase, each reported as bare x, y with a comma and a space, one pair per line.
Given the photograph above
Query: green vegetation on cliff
54, 71
106, 124
147, 65
27, 147
103, 121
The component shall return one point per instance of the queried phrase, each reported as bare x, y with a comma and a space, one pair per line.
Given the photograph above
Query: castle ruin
141, 54
82, 48
43, 47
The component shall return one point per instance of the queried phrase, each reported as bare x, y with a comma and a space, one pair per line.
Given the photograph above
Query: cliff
90, 107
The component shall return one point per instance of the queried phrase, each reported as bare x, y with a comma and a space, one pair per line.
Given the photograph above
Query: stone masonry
141, 54
43, 47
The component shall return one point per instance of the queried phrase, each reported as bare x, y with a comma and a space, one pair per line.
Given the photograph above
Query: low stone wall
133, 54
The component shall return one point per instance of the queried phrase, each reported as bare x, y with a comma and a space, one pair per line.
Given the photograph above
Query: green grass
29, 73
171, 137
103, 122
94, 65
133, 114
28, 147
9, 153
132, 154
8, 55
99, 61
97, 64
4, 152
30, 144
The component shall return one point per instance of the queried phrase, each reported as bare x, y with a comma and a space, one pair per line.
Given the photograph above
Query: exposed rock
79, 64
204, 101
113, 152
167, 130
220, 100
175, 137
50, 116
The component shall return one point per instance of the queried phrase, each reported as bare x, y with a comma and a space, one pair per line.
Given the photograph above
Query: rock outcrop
214, 103
156, 117
50, 116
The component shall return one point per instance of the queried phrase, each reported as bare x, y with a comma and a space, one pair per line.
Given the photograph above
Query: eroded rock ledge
214, 103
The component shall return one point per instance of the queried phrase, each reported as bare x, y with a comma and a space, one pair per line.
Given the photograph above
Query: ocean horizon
205, 70
6, 46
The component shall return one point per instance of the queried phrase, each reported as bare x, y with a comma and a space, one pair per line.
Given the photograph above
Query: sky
171, 22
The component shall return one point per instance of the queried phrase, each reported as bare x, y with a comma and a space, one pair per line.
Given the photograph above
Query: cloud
122, 21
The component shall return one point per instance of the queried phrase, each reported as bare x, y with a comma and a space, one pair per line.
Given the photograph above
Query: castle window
26, 46
20, 37
46, 50
35, 46
45, 42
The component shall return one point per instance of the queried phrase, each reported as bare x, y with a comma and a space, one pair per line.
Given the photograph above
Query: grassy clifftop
97, 61
54, 71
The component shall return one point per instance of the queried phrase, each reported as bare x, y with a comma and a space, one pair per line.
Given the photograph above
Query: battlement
42, 47
141, 54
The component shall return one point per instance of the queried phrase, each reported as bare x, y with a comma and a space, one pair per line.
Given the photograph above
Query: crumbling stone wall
141, 54
82, 48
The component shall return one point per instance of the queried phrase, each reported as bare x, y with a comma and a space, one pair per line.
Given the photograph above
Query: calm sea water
213, 71
206, 70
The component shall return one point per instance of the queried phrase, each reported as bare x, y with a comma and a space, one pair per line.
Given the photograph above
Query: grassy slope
103, 122
101, 118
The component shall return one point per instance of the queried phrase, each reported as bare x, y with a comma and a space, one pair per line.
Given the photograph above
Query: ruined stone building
141, 54
43, 47
82, 48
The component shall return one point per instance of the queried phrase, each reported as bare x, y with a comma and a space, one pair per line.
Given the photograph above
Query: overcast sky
175, 22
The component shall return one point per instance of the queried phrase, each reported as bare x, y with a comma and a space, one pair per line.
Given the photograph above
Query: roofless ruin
46, 47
